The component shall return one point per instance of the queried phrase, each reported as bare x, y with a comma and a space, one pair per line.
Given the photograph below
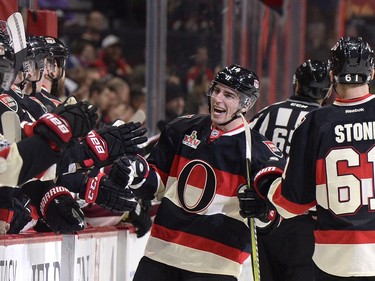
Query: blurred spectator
317, 45
84, 79
174, 104
138, 97
104, 99
196, 101
111, 60
82, 53
121, 88
200, 68
96, 27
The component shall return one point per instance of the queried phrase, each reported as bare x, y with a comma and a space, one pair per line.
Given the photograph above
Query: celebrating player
197, 167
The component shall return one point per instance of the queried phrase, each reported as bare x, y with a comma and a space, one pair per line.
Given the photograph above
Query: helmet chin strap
236, 115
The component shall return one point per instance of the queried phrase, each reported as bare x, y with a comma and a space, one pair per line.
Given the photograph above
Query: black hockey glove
102, 191
105, 145
81, 117
140, 218
266, 176
251, 205
22, 215
61, 212
64, 124
130, 170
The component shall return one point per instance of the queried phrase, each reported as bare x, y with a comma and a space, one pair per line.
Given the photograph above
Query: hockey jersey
278, 121
333, 152
198, 226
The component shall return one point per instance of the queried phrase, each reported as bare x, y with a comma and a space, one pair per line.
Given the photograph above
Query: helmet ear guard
352, 61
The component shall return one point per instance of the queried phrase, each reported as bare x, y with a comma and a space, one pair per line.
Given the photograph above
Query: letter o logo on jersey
208, 191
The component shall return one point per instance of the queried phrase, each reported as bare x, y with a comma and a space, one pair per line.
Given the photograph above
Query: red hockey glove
265, 177
105, 145
61, 212
102, 191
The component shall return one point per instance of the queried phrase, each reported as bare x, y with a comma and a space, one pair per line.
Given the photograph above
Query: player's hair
352, 61
313, 79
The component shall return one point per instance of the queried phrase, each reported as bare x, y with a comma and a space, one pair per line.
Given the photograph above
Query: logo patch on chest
191, 140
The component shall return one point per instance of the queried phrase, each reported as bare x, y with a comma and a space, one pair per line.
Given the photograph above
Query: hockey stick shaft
251, 222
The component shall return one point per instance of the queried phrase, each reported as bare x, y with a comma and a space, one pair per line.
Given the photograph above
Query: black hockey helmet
56, 51
7, 60
313, 78
240, 79
36, 53
352, 61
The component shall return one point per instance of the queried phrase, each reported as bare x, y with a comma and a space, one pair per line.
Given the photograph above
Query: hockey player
196, 169
286, 254
332, 151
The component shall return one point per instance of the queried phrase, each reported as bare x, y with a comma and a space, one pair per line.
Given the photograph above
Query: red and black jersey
332, 165
49, 100
278, 121
198, 226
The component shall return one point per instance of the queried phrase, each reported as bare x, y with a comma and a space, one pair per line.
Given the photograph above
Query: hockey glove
251, 205
105, 145
130, 170
102, 191
140, 218
66, 123
81, 117
61, 212
22, 215
266, 176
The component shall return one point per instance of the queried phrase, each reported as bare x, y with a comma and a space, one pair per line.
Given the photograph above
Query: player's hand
102, 191
140, 218
251, 205
22, 215
66, 123
130, 170
107, 144
61, 211
81, 117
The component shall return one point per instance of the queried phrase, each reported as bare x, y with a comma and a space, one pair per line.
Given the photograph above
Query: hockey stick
253, 233
11, 125
16, 32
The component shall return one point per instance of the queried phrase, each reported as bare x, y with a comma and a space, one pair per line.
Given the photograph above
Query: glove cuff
97, 145
92, 188
264, 178
6, 215
50, 195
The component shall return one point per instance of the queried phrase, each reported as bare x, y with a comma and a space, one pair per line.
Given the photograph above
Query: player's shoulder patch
9, 102
273, 148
